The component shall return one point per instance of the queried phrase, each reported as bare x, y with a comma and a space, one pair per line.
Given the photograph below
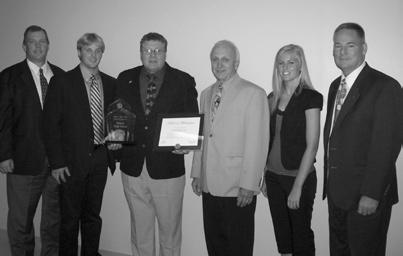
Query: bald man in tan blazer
228, 169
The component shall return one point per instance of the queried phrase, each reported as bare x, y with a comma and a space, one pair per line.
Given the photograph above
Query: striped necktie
96, 111
44, 84
341, 95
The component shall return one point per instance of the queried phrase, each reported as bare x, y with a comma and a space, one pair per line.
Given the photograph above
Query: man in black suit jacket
22, 153
74, 132
153, 181
361, 148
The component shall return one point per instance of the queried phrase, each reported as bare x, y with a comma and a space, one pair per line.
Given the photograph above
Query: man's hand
196, 186
7, 166
180, 151
245, 197
114, 146
59, 174
367, 206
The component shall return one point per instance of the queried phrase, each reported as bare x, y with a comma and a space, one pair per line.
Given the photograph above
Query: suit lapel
353, 96
206, 108
330, 106
29, 83
163, 94
107, 93
166, 93
81, 94
228, 97
135, 97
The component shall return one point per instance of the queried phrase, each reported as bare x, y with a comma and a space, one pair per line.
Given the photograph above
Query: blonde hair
277, 82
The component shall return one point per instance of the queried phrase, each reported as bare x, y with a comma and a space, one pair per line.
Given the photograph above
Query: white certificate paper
181, 130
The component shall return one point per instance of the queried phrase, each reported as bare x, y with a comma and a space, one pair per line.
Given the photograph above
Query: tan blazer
235, 145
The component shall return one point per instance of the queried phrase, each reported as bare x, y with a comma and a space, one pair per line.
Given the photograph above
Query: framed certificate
183, 129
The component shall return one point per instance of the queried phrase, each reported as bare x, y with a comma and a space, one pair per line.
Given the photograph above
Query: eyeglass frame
149, 52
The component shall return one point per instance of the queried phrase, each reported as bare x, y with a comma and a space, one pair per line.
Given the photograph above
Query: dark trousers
23, 194
352, 234
292, 228
229, 229
81, 201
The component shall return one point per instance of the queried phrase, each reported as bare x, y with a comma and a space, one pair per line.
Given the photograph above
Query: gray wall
258, 27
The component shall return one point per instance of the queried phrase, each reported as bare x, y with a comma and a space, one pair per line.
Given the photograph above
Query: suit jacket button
211, 135
143, 146
146, 127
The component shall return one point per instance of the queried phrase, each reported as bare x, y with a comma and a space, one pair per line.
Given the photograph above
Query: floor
5, 249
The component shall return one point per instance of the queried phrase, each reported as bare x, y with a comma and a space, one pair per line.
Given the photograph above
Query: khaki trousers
150, 200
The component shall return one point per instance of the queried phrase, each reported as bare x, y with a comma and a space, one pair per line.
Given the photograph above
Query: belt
97, 146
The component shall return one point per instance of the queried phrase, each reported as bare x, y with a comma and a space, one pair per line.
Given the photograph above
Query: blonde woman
290, 178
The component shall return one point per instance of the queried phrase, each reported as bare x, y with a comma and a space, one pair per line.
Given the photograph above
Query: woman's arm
312, 117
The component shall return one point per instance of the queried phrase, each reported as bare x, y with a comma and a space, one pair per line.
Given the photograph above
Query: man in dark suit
74, 118
153, 181
361, 141
22, 153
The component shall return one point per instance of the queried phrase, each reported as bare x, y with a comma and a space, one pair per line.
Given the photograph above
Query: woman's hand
293, 198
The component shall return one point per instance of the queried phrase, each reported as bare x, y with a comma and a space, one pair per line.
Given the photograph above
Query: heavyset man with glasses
153, 182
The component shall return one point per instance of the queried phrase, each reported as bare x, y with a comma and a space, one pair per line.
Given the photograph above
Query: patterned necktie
96, 111
341, 95
216, 101
151, 94
44, 84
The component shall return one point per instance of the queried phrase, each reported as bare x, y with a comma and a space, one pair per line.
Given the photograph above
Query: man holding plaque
74, 140
228, 169
153, 181
23, 89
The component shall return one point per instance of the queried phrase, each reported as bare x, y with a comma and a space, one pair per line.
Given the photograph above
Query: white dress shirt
47, 72
350, 79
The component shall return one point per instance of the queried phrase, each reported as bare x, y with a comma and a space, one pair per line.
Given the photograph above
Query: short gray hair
230, 44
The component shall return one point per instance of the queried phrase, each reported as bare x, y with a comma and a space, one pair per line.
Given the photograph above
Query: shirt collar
350, 79
32, 66
230, 81
87, 74
158, 76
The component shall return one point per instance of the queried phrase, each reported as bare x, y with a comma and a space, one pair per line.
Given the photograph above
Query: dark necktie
44, 84
96, 111
216, 101
150, 94
341, 95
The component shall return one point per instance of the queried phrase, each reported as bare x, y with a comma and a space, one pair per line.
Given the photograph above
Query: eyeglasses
153, 51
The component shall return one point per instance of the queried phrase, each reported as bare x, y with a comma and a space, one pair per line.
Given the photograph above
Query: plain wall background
258, 27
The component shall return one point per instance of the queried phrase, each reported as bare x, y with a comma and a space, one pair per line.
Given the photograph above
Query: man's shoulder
15, 69
72, 72
67, 76
107, 77
177, 72
129, 72
383, 78
247, 85
56, 69
207, 89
